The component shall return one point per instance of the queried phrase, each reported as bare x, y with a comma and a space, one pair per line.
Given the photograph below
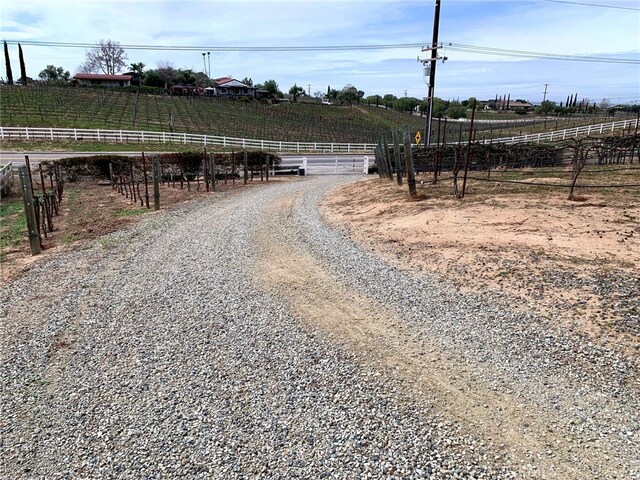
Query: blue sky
536, 25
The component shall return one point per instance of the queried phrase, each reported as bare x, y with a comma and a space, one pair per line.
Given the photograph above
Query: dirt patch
576, 262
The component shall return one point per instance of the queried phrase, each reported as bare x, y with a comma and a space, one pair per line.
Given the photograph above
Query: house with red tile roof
89, 79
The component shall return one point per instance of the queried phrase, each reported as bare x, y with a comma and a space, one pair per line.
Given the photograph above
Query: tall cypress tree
23, 70
7, 62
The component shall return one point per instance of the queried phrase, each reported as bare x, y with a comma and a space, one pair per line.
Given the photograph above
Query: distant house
504, 104
89, 79
228, 87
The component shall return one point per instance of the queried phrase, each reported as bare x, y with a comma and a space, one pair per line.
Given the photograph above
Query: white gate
320, 164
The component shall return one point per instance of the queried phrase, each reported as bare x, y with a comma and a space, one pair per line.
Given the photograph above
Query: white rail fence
132, 136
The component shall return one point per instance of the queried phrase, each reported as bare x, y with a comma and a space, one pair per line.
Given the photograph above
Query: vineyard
39, 211
552, 166
45, 106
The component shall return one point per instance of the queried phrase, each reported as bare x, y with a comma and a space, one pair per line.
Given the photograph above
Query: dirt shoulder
574, 262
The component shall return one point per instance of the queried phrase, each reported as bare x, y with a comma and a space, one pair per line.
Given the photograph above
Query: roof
100, 76
222, 80
233, 83
520, 104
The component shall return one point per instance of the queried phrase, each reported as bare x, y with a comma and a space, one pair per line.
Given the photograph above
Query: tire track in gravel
376, 335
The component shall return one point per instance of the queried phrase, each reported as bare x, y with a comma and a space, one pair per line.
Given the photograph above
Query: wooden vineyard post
48, 203
146, 182
387, 158
408, 161
205, 168
156, 183
267, 173
233, 167
246, 168
396, 155
212, 161
468, 159
378, 154
111, 174
30, 212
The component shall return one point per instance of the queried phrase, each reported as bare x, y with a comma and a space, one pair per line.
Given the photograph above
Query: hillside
38, 106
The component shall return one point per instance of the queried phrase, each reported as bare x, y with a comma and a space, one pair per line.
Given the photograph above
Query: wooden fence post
156, 183
396, 155
30, 212
408, 161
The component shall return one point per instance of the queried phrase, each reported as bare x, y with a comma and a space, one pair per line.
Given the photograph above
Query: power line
618, 7
36, 43
460, 47
453, 46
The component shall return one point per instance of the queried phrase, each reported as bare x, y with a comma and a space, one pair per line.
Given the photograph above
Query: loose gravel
151, 353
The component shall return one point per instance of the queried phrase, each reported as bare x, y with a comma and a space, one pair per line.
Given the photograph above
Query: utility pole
432, 72
204, 62
405, 93
309, 89
544, 96
209, 58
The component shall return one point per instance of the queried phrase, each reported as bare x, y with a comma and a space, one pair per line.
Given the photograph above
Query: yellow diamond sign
418, 137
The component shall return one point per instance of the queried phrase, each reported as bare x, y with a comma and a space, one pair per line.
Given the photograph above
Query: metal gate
321, 164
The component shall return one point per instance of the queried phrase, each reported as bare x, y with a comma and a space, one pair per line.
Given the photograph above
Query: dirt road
240, 336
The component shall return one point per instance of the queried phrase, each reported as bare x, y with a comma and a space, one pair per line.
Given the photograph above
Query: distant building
183, 89
505, 104
89, 79
228, 87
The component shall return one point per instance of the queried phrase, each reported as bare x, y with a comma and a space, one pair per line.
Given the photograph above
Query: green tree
348, 95
185, 76
456, 110
546, 107
295, 90
7, 62
406, 104
271, 86
153, 78
54, 74
374, 99
247, 81
389, 99
332, 94
440, 107
23, 69
137, 67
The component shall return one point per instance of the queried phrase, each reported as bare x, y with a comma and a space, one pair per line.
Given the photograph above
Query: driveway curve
239, 336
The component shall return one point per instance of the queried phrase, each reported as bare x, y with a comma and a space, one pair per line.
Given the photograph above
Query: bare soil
559, 258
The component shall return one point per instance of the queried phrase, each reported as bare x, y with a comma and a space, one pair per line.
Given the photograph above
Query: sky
554, 27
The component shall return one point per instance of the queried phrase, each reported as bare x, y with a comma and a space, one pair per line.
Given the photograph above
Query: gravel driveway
239, 337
